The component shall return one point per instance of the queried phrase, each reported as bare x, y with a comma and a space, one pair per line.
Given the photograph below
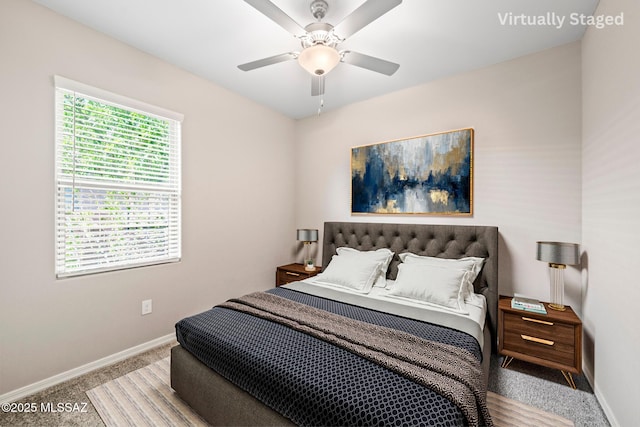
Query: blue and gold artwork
429, 174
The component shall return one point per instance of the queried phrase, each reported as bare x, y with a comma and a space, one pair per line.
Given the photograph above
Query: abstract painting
429, 174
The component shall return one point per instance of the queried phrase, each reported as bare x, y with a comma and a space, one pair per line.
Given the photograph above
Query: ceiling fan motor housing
319, 33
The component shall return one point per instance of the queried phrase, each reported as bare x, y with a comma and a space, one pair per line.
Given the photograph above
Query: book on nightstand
520, 302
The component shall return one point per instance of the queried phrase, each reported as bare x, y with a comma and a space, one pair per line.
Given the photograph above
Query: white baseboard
606, 408
601, 400
81, 370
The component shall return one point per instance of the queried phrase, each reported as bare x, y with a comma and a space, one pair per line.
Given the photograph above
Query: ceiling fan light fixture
319, 59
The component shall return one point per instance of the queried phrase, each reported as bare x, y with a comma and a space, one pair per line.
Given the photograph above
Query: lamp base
557, 307
556, 274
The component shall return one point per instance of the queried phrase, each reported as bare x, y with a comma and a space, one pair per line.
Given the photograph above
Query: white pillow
381, 255
471, 264
355, 273
425, 283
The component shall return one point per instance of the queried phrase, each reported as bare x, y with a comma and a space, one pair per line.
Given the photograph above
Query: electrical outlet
147, 307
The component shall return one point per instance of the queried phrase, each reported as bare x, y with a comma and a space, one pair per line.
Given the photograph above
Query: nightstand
553, 340
292, 273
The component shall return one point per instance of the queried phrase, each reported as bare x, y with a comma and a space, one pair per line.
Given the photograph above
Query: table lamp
558, 255
307, 236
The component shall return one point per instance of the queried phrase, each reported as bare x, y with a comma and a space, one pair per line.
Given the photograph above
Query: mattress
313, 382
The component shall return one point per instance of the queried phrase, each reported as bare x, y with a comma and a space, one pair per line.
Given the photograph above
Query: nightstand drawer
285, 277
534, 345
293, 273
547, 329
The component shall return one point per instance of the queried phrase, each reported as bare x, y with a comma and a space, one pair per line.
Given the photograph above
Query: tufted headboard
445, 241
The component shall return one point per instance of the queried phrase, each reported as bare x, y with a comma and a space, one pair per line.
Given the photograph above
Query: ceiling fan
320, 40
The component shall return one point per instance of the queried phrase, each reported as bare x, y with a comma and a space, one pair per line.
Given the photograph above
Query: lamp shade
558, 253
307, 235
318, 59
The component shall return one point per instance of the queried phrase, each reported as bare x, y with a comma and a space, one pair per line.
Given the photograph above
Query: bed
313, 380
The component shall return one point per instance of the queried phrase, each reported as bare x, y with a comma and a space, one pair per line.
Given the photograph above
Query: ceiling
430, 39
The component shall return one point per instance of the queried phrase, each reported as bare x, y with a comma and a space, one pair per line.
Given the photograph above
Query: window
117, 181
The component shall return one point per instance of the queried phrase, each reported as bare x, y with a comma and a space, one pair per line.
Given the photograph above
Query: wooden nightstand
292, 273
553, 340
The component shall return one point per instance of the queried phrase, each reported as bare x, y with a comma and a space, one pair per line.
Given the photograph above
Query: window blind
118, 181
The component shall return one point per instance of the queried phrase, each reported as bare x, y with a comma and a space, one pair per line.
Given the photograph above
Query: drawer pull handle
538, 340
544, 322
292, 274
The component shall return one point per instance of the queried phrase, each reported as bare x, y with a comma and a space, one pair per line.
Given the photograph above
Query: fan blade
276, 14
370, 63
368, 12
267, 61
317, 85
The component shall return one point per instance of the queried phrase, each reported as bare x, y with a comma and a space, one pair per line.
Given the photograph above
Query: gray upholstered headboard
445, 241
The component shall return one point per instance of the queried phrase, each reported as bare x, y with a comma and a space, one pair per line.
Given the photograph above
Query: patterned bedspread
313, 382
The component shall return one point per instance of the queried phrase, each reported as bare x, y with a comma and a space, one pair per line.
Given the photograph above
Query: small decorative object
558, 255
307, 236
309, 265
429, 174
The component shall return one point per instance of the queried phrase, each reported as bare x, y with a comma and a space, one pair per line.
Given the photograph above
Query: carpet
145, 397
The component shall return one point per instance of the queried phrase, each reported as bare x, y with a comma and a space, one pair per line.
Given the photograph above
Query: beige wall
611, 209
526, 116
237, 201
